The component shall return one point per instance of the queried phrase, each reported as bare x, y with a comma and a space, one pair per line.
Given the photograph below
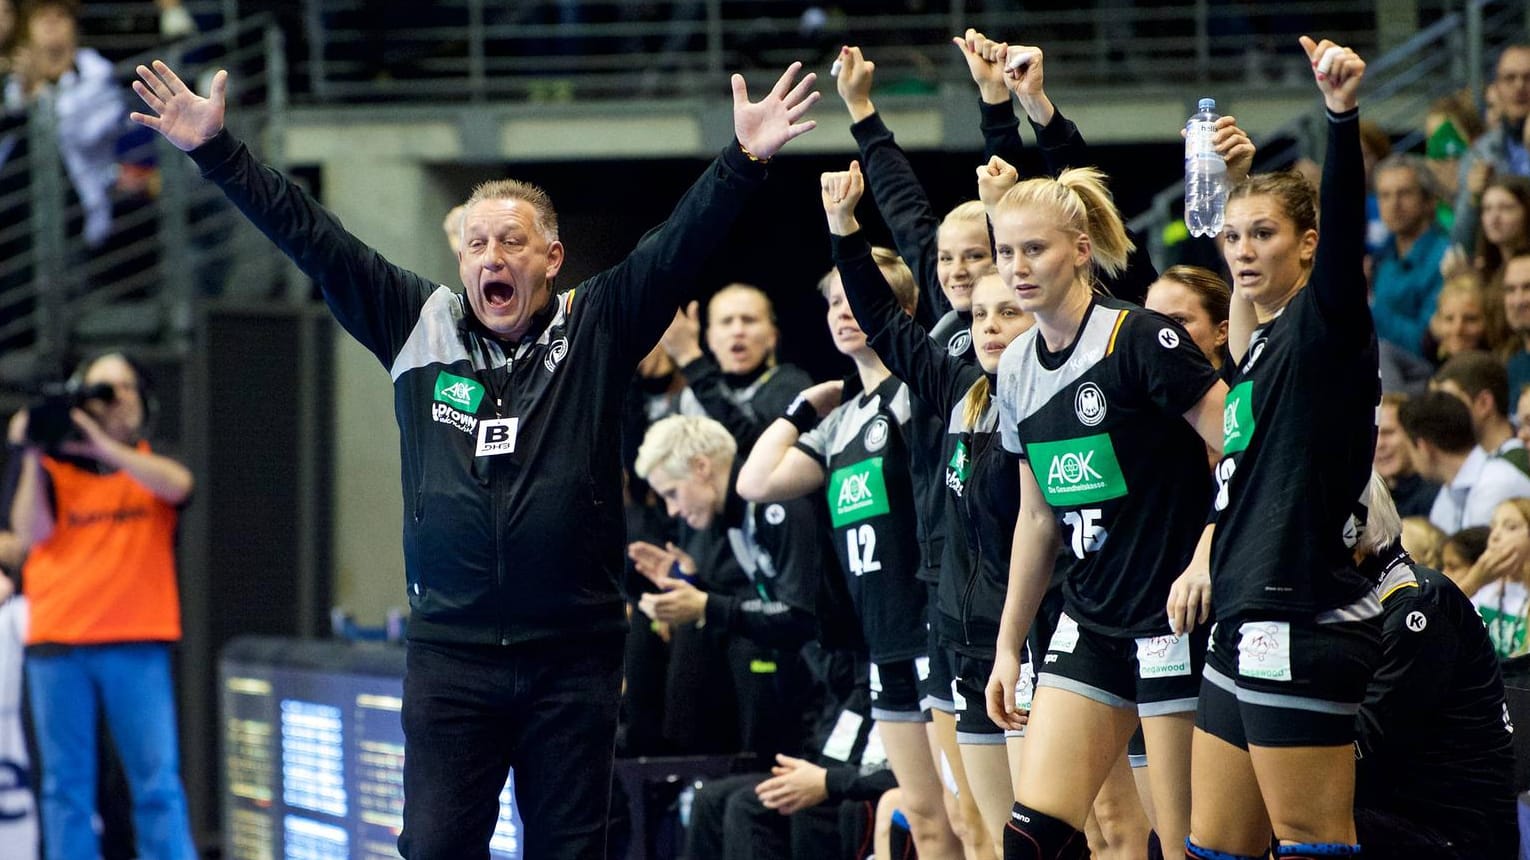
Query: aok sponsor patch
857, 492
443, 413
459, 392
1238, 418
1078, 471
956, 470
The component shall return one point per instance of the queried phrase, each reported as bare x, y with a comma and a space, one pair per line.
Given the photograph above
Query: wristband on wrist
802, 414
751, 156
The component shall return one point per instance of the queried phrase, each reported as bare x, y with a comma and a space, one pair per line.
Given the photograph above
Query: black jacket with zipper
525, 545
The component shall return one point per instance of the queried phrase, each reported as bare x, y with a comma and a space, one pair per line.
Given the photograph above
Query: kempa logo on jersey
460, 392
875, 438
956, 470
959, 343
1168, 338
1078, 471
775, 515
857, 492
555, 353
1238, 418
1089, 404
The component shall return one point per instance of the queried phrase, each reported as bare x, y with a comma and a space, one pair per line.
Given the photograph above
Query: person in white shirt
1444, 449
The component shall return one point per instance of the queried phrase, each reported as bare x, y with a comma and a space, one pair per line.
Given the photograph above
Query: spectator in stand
1480, 381
1451, 125
1496, 580
1522, 415
1423, 541
1394, 461
1375, 146
1464, 319
1501, 149
736, 381
1516, 311
1461, 550
1505, 226
1434, 755
1405, 270
1444, 450
91, 115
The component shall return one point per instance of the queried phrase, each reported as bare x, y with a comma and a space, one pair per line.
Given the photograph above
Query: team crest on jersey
555, 353
1253, 354
875, 438
959, 343
1168, 338
775, 515
1089, 404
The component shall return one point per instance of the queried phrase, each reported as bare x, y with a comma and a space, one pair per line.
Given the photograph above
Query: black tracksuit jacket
527, 545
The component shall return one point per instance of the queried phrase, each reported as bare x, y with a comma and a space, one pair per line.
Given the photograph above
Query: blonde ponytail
1079, 198
976, 402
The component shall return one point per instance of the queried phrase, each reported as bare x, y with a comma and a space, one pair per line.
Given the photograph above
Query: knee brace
1196, 852
1032, 835
1315, 851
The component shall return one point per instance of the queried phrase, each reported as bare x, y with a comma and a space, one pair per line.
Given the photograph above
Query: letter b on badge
496, 436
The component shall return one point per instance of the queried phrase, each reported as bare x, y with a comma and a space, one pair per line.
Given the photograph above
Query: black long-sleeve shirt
1300, 425
1434, 742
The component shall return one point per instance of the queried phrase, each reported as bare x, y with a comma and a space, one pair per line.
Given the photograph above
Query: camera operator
98, 511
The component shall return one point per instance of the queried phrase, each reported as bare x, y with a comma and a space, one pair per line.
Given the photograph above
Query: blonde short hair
672, 444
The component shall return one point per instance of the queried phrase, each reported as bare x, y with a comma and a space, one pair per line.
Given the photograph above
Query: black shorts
942, 669
970, 692
1287, 683
897, 689
1136, 749
1157, 675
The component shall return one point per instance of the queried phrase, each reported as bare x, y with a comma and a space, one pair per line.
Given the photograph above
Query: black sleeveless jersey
1102, 426
865, 448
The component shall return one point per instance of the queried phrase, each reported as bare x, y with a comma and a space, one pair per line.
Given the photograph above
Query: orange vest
107, 572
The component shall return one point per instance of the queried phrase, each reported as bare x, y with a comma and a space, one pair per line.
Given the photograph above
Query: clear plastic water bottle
1205, 173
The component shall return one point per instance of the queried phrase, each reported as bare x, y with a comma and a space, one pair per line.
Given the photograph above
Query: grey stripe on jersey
1399, 576
1025, 386
842, 426
746, 549
435, 338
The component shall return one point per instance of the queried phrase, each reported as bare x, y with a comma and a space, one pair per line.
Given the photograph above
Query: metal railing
555, 50
173, 239
1441, 59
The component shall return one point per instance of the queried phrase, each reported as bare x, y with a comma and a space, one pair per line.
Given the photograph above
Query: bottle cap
1207, 105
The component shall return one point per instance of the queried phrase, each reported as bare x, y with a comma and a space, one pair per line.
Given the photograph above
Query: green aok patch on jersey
459, 391
1078, 471
857, 492
1238, 418
959, 462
